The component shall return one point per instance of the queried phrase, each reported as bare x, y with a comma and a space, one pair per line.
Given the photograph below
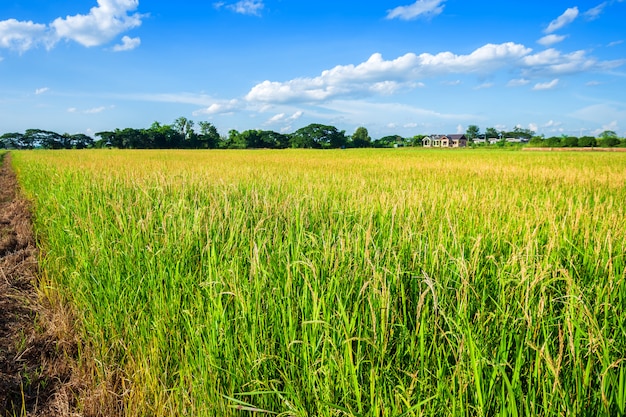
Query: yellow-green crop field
400, 282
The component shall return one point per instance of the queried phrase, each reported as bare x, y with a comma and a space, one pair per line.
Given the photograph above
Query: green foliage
366, 282
472, 132
388, 141
319, 136
587, 141
569, 142
181, 135
361, 138
609, 141
491, 132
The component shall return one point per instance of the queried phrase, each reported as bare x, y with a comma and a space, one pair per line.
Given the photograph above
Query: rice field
401, 282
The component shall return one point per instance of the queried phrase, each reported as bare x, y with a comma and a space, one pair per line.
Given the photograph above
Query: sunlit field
329, 283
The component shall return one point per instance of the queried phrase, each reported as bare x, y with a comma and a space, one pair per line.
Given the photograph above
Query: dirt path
35, 373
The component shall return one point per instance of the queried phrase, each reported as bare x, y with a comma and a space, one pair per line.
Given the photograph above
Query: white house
445, 141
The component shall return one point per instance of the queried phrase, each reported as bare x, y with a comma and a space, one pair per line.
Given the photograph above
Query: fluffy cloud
376, 75
223, 107
284, 118
41, 90
565, 19
22, 36
553, 62
428, 8
550, 39
103, 23
547, 85
518, 82
127, 44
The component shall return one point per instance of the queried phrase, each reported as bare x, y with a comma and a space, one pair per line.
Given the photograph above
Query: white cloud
615, 43
127, 44
595, 12
518, 82
223, 107
552, 124
283, 118
95, 110
565, 19
551, 39
248, 7
428, 8
276, 118
22, 36
551, 61
547, 85
103, 23
41, 90
376, 75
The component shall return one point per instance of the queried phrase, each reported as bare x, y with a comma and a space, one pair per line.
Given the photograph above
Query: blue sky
395, 66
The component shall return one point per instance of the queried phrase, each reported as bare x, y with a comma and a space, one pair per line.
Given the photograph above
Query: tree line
607, 138
185, 134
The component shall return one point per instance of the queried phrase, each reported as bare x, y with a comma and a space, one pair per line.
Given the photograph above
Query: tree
491, 132
12, 140
82, 141
553, 142
472, 132
45, 139
608, 138
388, 141
253, 139
107, 139
272, 139
317, 135
187, 136
537, 141
235, 140
417, 140
361, 138
518, 132
569, 141
208, 138
587, 141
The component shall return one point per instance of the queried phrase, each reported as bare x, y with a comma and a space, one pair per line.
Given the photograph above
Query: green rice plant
328, 283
